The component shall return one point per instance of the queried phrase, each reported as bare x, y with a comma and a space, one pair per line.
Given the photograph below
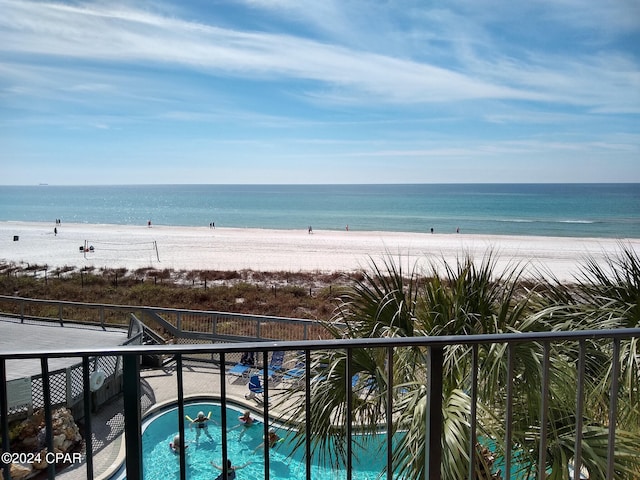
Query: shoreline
233, 249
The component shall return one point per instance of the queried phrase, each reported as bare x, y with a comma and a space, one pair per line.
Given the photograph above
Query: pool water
161, 463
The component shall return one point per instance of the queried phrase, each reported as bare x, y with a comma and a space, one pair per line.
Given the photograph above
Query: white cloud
136, 37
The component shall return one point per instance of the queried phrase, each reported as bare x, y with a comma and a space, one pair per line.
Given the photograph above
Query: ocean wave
515, 220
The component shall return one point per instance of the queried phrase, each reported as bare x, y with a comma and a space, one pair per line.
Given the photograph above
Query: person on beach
201, 425
231, 470
272, 439
55, 231
245, 421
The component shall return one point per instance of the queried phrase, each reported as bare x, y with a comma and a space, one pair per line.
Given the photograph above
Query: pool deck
158, 386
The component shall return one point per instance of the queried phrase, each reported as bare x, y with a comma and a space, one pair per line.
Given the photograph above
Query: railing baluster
132, 415
265, 412
544, 413
389, 413
223, 414
433, 444
181, 430
509, 411
577, 458
4, 415
88, 430
474, 411
349, 413
48, 420
613, 407
307, 411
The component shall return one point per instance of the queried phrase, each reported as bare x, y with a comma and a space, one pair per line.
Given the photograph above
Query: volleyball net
121, 250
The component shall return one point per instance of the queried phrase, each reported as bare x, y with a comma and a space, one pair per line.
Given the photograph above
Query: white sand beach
203, 248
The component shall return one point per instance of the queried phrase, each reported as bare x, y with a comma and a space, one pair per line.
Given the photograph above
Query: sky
309, 91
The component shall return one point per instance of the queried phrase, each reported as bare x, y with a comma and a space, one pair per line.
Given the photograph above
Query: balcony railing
436, 348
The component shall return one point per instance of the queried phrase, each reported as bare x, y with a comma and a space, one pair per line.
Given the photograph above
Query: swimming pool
161, 463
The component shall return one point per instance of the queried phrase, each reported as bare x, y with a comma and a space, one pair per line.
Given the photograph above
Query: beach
203, 248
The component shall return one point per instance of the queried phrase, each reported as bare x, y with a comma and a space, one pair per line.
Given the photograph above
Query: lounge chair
275, 365
362, 386
255, 388
295, 373
243, 368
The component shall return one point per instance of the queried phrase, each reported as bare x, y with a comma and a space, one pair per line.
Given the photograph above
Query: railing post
389, 413
349, 411
544, 409
4, 416
433, 444
613, 410
68, 390
508, 429
223, 414
48, 418
88, 428
132, 415
474, 411
577, 457
181, 430
265, 413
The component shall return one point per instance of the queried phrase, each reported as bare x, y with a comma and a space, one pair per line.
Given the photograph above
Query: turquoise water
160, 463
584, 210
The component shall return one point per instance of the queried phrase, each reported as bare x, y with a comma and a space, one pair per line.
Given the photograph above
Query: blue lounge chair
275, 365
255, 388
295, 373
244, 366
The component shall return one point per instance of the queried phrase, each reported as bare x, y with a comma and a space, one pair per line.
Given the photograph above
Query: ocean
566, 210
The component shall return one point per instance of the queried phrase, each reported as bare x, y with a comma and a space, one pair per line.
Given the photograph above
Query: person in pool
201, 423
231, 470
272, 440
176, 445
245, 421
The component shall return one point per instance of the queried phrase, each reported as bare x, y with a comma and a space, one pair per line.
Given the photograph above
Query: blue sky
309, 91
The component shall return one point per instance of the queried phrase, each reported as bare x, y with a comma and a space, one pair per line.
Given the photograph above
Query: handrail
268, 346
156, 315
127, 308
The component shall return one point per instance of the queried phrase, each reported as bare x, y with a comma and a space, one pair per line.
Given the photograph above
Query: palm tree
466, 299
605, 295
